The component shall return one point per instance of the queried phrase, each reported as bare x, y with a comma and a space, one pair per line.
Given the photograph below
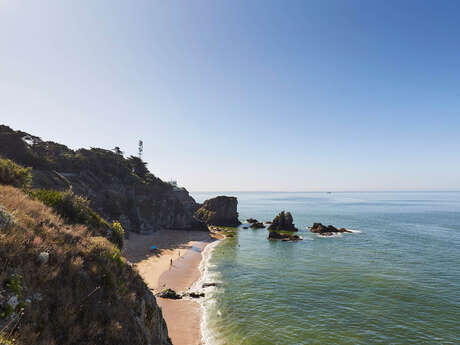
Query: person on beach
170, 262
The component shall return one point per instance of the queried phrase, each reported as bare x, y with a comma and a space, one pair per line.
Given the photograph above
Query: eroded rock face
219, 211
329, 230
283, 221
119, 188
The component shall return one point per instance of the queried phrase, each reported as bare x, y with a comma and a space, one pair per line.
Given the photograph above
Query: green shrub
117, 234
14, 174
73, 208
14, 284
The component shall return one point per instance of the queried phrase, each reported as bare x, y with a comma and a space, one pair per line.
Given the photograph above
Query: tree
118, 151
141, 148
138, 166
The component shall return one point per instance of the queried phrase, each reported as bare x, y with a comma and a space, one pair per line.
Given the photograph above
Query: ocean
396, 280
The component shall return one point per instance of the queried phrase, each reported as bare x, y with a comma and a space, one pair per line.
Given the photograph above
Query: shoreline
187, 250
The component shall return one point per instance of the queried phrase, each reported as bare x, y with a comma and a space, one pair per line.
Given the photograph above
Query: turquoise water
395, 282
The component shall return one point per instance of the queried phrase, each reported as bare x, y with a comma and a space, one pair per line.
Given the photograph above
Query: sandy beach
183, 317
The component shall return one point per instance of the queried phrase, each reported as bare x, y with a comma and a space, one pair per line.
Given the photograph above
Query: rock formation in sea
285, 236
329, 230
219, 211
257, 225
118, 188
283, 221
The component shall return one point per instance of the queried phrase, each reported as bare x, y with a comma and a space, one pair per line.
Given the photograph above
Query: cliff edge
118, 188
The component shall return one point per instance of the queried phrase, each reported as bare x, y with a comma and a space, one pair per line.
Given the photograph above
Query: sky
323, 95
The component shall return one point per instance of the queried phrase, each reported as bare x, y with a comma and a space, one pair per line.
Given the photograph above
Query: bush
73, 208
14, 174
117, 234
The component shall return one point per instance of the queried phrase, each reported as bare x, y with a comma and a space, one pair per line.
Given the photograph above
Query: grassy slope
87, 293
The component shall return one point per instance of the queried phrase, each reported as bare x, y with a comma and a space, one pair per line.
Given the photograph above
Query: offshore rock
283, 221
257, 225
219, 211
329, 230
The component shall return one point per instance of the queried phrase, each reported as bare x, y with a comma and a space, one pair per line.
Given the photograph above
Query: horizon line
327, 191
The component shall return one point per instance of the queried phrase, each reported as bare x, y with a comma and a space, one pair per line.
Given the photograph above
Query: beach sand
183, 317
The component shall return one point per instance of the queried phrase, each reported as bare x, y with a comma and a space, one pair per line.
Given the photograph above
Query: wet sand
183, 317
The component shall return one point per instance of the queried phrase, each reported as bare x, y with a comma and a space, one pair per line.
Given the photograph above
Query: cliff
118, 188
60, 284
219, 211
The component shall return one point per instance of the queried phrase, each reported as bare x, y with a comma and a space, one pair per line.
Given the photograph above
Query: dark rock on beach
195, 294
329, 230
169, 293
283, 221
219, 211
208, 284
252, 220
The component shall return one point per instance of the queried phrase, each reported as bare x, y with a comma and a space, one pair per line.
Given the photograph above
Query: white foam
339, 234
354, 231
206, 333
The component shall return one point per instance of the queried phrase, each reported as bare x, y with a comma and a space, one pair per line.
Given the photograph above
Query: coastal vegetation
14, 174
61, 283
226, 231
117, 188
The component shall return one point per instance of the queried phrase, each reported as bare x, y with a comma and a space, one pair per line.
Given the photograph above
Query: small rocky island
283, 221
255, 224
219, 211
329, 230
282, 228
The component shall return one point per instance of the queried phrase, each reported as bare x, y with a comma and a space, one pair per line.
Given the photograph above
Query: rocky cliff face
219, 211
119, 188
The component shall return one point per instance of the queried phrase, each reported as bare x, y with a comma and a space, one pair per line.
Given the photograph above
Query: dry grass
89, 295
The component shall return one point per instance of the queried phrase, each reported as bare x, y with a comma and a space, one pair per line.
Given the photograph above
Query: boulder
208, 284
251, 220
329, 230
169, 293
43, 257
283, 221
195, 294
257, 225
13, 302
219, 211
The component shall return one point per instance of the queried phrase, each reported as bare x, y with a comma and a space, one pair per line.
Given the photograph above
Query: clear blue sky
245, 95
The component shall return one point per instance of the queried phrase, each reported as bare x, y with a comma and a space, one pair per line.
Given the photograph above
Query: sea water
394, 281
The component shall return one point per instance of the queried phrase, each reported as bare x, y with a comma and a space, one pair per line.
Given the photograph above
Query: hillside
60, 283
118, 188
